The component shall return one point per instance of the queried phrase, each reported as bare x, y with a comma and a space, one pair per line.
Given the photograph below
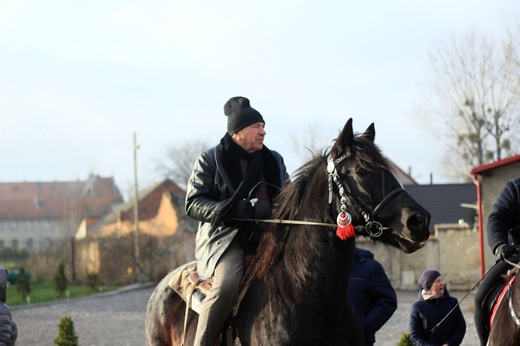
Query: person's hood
362, 254
3, 284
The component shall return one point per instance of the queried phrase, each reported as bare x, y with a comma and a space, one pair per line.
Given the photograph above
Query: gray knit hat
240, 114
427, 278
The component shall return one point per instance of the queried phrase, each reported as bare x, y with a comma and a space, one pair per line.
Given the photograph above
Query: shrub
60, 280
23, 285
15, 273
405, 340
66, 334
92, 280
13, 254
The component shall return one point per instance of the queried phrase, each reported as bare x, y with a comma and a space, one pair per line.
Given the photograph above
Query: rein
513, 264
366, 228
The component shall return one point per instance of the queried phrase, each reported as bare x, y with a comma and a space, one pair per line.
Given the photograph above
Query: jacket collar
228, 156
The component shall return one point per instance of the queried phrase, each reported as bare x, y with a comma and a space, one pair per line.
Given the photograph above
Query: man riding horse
238, 178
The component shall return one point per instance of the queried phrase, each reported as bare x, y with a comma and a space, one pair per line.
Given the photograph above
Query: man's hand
504, 251
221, 213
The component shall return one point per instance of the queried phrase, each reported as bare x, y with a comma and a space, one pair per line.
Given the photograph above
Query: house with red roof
34, 215
160, 212
117, 252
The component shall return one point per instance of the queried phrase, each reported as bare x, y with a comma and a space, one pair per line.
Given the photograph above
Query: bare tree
177, 161
475, 95
512, 48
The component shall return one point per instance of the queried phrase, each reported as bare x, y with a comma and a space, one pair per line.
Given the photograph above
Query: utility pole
136, 215
73, 258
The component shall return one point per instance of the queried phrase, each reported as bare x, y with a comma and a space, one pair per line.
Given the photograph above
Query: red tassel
345, 228
346, 232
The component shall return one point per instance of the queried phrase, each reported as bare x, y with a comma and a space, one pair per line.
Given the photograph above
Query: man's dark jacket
213, 182
371, 293
505, 215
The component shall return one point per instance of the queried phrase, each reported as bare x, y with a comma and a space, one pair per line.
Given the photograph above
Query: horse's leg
164, 323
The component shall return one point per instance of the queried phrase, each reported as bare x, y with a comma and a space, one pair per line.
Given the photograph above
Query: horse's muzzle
418, 224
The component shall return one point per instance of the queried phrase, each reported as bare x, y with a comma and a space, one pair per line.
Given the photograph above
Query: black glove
244, 210
504, 251
222, 213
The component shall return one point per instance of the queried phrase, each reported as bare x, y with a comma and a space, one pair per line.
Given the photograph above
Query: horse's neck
316, 260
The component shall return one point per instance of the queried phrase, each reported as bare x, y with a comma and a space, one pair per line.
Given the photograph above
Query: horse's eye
344, 173
361, 172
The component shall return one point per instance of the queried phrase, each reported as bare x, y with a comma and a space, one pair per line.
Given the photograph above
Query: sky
79, 78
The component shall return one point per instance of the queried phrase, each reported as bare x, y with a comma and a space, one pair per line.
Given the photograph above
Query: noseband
372, 227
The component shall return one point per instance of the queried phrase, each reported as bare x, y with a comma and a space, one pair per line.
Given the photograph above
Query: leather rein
373, 228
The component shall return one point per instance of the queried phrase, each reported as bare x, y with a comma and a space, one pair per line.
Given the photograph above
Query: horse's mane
305, 199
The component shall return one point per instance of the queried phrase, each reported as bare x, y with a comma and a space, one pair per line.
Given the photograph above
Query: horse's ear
345, 140
370, 133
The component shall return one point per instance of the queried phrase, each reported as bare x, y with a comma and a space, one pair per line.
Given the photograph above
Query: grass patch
8, 264
46, 292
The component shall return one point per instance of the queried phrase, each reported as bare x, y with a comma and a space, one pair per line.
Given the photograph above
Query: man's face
251, 138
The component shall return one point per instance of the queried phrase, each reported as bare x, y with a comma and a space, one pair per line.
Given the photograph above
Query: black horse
297, 283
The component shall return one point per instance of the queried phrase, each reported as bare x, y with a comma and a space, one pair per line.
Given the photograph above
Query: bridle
372, 227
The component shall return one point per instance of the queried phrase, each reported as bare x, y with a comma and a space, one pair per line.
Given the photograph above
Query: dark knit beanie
427, 278
240, 114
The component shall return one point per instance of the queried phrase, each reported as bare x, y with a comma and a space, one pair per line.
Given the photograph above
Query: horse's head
363, 185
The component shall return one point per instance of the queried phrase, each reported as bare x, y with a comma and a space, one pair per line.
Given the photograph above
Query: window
14, 243
2, 244
14, 226
29, 244
47, 243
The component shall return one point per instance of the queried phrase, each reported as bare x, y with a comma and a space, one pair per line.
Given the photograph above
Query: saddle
193, 290
186, 283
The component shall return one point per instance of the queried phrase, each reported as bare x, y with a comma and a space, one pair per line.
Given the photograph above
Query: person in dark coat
371, 294
433, 304
503, 223
237, 179
8, 328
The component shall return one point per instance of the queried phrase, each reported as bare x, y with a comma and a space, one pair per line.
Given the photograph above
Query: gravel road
117, 318
391, 332
110, 319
